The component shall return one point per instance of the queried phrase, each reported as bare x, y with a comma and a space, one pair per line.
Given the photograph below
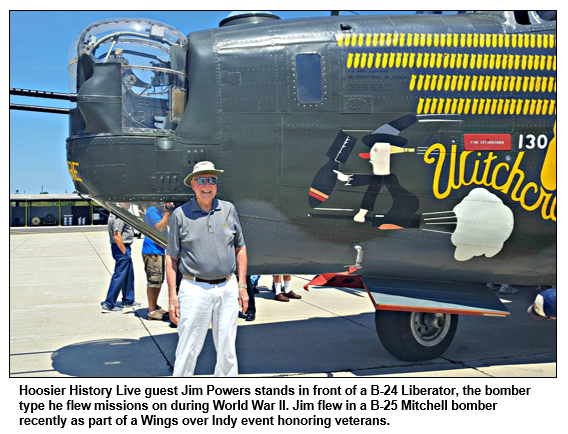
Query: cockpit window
152, 68
535, 17
309, 82
546, 15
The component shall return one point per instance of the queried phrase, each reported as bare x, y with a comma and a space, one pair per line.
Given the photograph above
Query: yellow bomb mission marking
447, 40
486, 174
453, 61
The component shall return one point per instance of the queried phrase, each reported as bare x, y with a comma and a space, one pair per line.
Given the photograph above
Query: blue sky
39, 52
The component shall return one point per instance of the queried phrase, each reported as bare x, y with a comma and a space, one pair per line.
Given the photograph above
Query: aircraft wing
405, 295
428, 296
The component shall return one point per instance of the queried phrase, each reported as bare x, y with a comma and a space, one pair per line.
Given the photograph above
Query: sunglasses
202, 180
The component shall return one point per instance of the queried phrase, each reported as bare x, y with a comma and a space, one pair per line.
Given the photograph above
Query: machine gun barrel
31, 108
43, 94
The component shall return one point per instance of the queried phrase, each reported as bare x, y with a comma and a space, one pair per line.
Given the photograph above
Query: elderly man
205, 242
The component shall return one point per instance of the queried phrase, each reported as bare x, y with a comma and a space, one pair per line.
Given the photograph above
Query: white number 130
541, 141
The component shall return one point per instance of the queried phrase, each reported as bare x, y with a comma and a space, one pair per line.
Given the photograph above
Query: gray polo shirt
205, 243
116, 224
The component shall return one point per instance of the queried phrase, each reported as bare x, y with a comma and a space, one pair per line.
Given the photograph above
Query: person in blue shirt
154, 258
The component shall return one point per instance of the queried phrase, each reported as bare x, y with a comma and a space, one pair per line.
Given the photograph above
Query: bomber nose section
130, 77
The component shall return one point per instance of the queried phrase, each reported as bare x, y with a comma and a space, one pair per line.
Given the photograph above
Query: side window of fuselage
309, 81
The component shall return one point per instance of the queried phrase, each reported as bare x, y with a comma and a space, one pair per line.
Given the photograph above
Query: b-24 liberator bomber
413, 156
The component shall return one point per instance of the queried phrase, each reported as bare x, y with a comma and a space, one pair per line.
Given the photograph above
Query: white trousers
200, 305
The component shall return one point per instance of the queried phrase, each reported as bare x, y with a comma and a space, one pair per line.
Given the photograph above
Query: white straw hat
201, 168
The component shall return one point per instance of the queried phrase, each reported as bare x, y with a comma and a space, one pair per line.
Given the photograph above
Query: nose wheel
415, 336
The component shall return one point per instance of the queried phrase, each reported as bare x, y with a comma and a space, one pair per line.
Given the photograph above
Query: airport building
29, 210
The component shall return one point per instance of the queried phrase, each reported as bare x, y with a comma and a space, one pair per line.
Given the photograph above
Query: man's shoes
105, 308
508, 289
247, 316
281, 297
292, 294
133, 304
162, 311
156, 315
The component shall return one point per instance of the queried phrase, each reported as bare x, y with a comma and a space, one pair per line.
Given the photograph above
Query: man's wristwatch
242, 286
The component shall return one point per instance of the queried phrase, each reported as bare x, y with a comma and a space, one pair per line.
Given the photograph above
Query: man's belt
210, 282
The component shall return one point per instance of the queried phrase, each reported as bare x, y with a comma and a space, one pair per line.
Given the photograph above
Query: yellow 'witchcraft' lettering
514, 186
524, 194
551, 214
548, 171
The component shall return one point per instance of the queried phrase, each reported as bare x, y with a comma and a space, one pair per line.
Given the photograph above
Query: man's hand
243, 299
119, 242
241, 259
174, 309
171, 270
162, 225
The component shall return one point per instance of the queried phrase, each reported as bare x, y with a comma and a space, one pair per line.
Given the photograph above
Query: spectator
504, 288
250, 314
153, 256
544, 306
121, 236
284, 293
254, 279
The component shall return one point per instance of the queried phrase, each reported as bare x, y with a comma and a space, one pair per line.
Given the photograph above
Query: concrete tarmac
59, 277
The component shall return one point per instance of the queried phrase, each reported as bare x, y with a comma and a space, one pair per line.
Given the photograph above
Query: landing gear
415, 336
